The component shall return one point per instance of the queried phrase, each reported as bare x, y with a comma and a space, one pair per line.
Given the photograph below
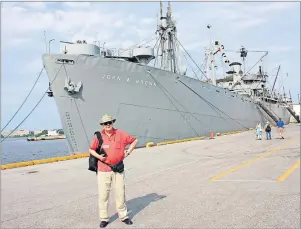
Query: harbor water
19, 150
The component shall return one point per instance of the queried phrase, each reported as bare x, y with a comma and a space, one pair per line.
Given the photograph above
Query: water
19, 149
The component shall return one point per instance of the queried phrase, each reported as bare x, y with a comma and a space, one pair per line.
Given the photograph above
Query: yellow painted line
180, 140
43, 161
250, 161
288, 172
197, 138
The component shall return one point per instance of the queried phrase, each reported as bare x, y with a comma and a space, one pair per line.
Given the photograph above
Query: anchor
71, 87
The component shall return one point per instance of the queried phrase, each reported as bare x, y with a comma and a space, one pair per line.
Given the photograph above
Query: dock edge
83, 155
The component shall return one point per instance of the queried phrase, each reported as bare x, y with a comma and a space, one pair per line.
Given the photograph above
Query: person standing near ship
114, 143
258, 131
268, 131
280, 126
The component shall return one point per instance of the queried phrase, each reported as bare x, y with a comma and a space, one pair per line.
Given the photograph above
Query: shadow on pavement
136, 205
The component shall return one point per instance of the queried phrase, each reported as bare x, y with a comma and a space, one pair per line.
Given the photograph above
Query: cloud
247, 23
280, 48
78, 4
75, 22
17, 41
35, 5
274, 7
247, 15
147, 21
195, 45
31, 66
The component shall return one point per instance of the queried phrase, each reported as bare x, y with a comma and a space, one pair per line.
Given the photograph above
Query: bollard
211, 135
150, 144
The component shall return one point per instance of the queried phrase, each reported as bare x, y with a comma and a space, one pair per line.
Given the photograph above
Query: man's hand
101, 158
126, 153
131, 148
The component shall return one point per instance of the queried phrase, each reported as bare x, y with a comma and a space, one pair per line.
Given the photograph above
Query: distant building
5, 133
20, 133
37, 132
52, 133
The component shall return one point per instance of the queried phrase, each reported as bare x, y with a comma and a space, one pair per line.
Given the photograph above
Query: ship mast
243, 55
210, 52
275, 79
167, 34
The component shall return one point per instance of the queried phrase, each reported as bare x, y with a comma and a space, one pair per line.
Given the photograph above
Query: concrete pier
232, 181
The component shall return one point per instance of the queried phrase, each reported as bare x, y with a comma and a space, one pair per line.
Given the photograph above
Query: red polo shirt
114, 146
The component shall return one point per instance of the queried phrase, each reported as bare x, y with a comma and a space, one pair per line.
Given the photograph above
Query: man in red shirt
114, 143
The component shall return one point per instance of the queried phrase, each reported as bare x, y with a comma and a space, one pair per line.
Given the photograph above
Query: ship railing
116, 51
121, 51
257, 100
112, 51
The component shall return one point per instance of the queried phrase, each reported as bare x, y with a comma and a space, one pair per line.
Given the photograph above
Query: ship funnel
235, 66
236, 69
144, 55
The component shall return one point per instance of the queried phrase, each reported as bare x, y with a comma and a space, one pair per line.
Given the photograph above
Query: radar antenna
243, 55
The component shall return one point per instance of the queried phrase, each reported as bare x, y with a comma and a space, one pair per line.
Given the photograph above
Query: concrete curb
180, 140
43, 161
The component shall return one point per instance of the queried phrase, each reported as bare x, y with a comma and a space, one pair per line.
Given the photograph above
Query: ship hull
152, 104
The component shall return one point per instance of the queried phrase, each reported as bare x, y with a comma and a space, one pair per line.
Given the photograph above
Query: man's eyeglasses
107, 123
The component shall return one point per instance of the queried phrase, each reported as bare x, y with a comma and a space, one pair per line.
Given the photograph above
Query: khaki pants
105, 180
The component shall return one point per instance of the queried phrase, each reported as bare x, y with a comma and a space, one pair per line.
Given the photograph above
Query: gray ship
154, 103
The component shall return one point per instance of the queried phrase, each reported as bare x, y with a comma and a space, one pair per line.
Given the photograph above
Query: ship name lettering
109, 77
129, 79
147, 83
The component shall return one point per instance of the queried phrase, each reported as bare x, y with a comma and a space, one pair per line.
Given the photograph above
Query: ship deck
232, 181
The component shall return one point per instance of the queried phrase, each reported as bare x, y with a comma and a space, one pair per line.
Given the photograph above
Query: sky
270, 26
